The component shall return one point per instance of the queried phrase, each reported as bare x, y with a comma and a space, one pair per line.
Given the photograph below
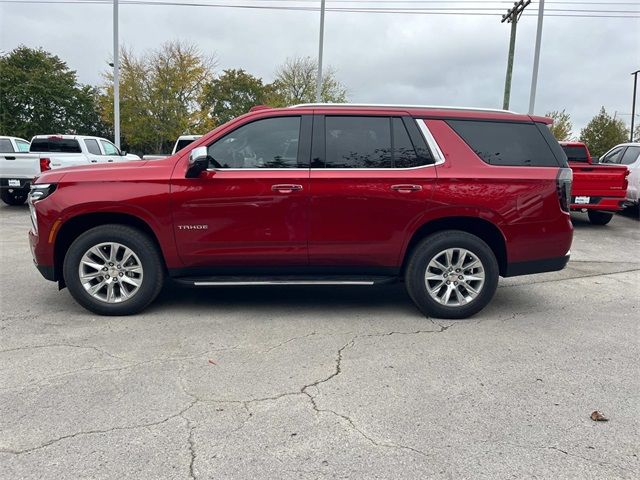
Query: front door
371, 181
250, 208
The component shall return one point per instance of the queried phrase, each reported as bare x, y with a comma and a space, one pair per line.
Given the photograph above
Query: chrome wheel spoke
454, 277
111, 272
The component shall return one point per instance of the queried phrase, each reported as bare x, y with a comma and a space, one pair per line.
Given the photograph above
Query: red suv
446, 199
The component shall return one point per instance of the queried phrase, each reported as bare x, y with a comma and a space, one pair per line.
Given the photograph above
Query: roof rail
393, 105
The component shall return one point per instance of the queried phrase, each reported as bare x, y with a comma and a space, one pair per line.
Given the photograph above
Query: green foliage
160, 96
39, 94
603, 132
562, 125
232, 94
296, 83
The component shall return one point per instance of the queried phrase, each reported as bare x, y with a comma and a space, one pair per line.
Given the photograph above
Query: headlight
38, 192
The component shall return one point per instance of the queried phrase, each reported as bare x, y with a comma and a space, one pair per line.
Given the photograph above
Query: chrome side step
235, 280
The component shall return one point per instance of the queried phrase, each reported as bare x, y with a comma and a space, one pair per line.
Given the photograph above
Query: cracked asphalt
326, 382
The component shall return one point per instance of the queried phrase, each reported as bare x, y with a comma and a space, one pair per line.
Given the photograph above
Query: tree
296, 83
603, 132
232, 94
562, 125
39, 94
161, 96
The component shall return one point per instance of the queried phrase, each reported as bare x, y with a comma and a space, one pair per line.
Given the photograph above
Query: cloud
585, 62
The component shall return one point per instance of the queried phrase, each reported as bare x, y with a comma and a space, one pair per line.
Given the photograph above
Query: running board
229, 280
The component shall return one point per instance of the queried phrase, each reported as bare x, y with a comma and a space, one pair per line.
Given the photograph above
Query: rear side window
507, 144
55, 144
575, 154
5, 145
370, 142
22, 146
92, 146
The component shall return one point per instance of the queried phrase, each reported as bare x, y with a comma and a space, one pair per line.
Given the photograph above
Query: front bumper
39, 259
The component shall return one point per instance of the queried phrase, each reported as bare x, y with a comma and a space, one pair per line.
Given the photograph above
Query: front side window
109, 148
5, 145
92, 146
22, 145
613, 156
267, 143
506, 143
630, 155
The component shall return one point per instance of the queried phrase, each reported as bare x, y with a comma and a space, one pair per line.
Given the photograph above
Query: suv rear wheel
113, 270
451, 274
599, 218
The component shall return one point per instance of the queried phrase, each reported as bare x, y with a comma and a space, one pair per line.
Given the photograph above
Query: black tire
13, 198
599, 218
430, 248
137, 241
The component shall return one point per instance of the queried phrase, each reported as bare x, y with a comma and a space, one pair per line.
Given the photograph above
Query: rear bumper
610, 204
536, 266
25, 183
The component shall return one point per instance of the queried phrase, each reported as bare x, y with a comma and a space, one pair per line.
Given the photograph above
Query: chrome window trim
431, 142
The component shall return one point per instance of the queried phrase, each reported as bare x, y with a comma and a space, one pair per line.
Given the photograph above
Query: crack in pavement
69, 345
570, 278
98, 431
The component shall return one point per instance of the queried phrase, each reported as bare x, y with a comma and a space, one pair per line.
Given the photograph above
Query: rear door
250, 209
94, 154
371, 179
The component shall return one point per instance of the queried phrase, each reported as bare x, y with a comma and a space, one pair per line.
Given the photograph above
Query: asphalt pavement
326, 382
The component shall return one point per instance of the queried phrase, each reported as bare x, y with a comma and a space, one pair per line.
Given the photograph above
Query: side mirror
123, 153
198, 162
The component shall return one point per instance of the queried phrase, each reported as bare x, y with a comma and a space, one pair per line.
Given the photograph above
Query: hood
92, 172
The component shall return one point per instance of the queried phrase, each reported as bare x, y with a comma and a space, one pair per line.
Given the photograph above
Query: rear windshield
506, 143
55, 144
576, 154
183, 143
5, 146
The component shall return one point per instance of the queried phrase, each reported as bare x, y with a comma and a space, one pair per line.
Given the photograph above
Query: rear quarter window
506, 143
61, 145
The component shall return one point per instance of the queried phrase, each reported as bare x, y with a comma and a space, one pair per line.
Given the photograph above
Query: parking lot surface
326, 382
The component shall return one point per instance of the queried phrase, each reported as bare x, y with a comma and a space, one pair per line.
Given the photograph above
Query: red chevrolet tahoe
446, 199
597, 190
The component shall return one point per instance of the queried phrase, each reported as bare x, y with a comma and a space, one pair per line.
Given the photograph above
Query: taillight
563, 186
45, 164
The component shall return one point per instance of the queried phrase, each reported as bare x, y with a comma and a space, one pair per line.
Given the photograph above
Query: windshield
576, 153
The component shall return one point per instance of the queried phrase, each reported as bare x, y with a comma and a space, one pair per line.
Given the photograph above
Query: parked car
9, 146
598, 190
446, 199
181, 142
627, 154
49, 152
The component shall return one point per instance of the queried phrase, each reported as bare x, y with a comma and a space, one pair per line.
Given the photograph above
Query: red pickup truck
599, 190
444, 199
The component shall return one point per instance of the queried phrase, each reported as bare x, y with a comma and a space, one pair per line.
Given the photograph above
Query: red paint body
605, 185
340, 217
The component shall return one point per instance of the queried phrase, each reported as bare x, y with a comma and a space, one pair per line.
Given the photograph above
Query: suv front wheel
451, 274
113, 270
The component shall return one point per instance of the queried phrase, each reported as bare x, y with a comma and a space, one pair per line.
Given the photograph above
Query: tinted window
358, 142
5, 145
502, 143
268, 143
55, 144
109, 148
92, 146
183, 143
613, 156
630, 156
22, 146
575, 154
404, 153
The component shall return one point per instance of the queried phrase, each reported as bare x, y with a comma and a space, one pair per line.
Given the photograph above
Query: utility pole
633, 103
536, 58
512, 16
320, 48
116, 77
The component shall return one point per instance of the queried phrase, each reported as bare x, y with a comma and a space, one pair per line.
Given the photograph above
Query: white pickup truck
48, 152
183, 141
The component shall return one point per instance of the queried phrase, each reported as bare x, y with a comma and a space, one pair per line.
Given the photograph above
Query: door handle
286, 187
406, 187
10, 158
94, 161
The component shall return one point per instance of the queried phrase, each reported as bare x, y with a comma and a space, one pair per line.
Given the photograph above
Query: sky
457, 60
